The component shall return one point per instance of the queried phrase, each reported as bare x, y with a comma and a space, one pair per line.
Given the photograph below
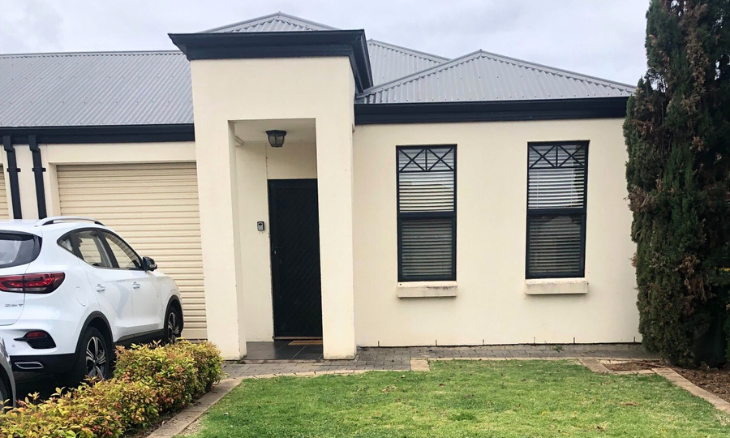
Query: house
416, 200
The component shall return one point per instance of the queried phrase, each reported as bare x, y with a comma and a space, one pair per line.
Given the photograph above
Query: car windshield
16, 249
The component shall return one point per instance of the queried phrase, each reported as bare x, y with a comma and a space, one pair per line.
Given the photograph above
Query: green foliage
147, 382
677, 132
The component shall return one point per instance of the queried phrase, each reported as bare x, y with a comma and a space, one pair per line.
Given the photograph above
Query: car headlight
3, 351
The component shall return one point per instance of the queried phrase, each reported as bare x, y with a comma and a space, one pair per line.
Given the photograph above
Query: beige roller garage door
4, 210
155, 208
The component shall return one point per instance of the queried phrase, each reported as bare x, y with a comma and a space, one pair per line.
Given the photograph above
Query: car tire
173, 325
5, 396
93, 358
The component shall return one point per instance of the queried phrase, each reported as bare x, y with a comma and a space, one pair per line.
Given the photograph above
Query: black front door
295, 270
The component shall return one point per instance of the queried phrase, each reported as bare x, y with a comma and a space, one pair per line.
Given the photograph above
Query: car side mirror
148, 264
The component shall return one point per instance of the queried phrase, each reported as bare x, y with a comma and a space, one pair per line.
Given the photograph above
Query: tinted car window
126, 258
17, 249
92, 250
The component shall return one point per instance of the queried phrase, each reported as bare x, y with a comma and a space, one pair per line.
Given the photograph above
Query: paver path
399, 358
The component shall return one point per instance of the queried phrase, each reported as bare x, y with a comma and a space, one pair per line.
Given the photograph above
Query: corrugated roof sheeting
390, 62
278, 22
89, 89
482, 76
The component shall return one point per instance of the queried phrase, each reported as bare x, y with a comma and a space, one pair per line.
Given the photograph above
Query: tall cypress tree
677, 132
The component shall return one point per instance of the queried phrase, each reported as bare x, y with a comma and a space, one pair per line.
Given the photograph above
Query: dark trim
52, 363
38, 343
493, 111
425, 215
576, 212
101, 134
13, 174
350, 43
141, 338
38, 169
94, 315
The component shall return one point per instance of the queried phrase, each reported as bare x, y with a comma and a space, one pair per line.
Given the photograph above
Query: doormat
306, 342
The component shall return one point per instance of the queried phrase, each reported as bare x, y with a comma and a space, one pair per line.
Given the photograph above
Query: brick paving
399, 358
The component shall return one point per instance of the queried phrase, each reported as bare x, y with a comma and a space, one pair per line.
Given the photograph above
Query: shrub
169, 371
66, 415
677, 128
148, 381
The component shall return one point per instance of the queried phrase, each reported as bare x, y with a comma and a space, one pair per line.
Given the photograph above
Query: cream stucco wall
491, 306
226, 92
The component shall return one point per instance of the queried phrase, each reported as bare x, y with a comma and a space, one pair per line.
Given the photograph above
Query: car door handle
100, 288
135, 285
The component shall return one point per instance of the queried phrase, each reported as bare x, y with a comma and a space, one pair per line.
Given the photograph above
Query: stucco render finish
228, 91
490, 305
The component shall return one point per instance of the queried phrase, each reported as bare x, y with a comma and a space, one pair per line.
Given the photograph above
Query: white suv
71, 289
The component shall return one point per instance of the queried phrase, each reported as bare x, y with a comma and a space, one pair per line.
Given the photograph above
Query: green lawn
465, 399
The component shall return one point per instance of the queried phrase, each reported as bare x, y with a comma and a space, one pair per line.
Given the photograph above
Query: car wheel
173, 325
4, 396
93, 358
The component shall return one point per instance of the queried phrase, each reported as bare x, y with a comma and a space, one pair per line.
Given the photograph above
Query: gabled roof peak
486, 76
276, 22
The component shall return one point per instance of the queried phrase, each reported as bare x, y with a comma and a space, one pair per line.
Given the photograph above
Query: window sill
427, 289
556, 286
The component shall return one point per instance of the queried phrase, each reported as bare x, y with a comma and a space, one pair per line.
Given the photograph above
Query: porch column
335, 191
217, 191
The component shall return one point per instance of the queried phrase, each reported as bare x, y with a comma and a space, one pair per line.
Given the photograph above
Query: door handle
135, 285
100, 288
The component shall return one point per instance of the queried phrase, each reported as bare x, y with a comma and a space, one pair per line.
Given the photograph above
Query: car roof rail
56, 219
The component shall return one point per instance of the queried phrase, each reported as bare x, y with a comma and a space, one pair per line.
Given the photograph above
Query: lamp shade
276, 138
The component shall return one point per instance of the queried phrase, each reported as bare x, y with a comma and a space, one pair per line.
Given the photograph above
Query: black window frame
100, 232
113, 256
425, 216
557, 212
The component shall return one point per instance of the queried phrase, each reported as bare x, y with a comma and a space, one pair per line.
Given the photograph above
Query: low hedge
148, 382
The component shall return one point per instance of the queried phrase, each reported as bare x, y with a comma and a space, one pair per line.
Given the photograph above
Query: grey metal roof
484, 76
85, 89
152, 88
389, 61
278, 22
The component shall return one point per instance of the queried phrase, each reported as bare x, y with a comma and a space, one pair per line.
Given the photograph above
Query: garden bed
717, 381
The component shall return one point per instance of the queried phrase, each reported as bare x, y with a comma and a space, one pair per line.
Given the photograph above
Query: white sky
603, 38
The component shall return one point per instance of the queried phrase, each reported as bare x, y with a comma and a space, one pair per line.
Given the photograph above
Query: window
91, 249
18, 249
426, 213
556, 209
125, 257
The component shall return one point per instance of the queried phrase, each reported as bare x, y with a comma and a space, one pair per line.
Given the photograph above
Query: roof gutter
491, 111
101, 134
245, 45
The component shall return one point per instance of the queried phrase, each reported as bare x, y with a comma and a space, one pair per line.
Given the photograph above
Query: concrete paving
399, 358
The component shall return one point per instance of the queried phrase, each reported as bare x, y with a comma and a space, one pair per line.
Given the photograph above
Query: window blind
556, 209
426, 213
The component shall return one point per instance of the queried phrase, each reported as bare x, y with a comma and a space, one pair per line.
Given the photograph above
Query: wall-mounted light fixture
276, 138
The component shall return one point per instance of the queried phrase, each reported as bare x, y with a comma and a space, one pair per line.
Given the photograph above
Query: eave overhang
491, 111
349, 43
101, 134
